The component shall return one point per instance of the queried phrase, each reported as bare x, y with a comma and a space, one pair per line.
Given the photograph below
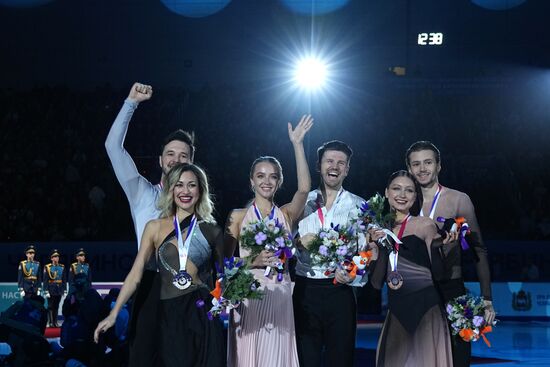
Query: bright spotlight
310, 73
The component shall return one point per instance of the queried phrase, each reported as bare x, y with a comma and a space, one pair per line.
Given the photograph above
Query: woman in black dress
187, 242
415, 332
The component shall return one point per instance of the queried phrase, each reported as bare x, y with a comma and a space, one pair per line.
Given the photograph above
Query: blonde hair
204, 207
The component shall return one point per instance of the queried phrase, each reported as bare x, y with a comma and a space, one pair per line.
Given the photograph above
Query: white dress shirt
342, 211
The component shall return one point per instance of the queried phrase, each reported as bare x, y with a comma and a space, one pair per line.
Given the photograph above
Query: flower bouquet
234, 284
466, 314
270, 235
337, 247
372, 215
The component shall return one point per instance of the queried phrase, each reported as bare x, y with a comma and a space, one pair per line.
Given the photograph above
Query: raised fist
140, 92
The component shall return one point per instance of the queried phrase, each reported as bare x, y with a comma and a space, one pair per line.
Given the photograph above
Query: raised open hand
140, 92
297, 134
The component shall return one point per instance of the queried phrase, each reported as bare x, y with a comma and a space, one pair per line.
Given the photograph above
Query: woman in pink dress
261, 332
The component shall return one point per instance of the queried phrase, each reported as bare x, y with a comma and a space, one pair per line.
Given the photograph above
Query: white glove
22, 293
38, 292
47, 294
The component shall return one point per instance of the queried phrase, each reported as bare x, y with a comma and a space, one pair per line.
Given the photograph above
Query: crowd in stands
23, 325
57, 184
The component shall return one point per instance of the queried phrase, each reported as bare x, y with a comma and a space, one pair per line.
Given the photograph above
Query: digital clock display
430, 39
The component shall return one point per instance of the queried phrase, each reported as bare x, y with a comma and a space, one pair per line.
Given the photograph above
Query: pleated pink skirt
261, 332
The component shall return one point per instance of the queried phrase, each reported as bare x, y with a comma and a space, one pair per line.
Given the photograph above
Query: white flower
332, 233
377, 199
270, 223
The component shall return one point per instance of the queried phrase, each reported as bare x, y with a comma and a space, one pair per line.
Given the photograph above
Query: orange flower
466, 334
460, 221
217, 292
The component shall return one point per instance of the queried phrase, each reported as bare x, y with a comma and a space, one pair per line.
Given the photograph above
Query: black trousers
325, 318
53, 303
462, 351
53, 308
30, 293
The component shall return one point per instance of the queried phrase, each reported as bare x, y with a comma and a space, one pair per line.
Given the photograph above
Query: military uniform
79, 268
29, 277
55, 286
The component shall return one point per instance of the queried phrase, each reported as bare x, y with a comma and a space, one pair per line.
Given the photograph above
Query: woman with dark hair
187, 242
261, 332
415, 332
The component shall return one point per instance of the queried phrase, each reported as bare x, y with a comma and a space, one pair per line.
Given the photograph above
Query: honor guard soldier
55, 286
80, 267
29, 276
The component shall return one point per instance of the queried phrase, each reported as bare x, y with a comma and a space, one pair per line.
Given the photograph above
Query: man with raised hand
324, 312
142, 196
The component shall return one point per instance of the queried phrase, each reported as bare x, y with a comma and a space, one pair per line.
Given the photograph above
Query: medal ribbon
394, 255
259, 214
183, 247
434, 203
320, 213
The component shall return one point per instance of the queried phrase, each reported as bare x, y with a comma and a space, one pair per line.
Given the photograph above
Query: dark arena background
473, 77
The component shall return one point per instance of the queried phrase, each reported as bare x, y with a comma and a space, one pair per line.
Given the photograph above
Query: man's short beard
325, 185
